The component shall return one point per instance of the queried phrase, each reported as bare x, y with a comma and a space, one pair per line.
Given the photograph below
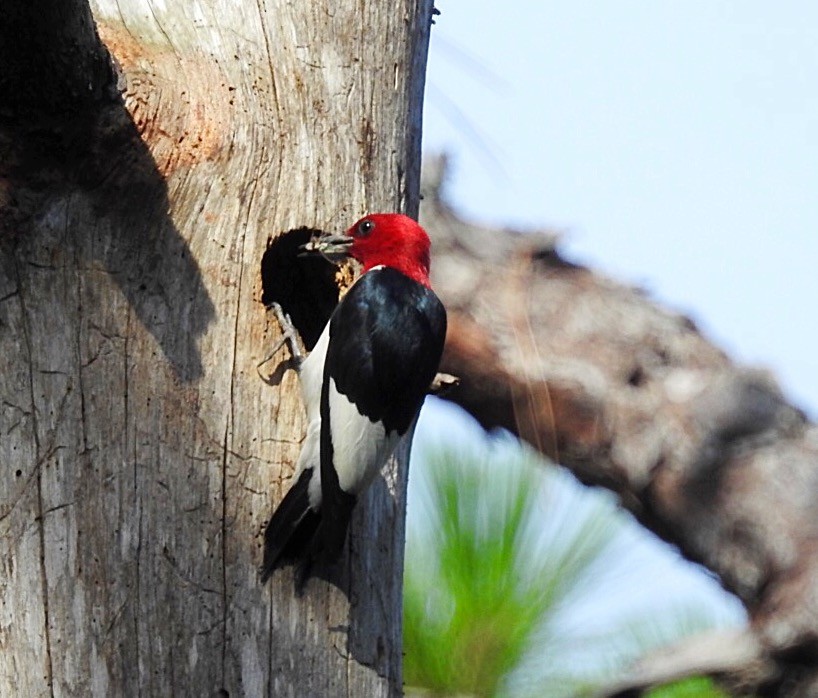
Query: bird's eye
365, 227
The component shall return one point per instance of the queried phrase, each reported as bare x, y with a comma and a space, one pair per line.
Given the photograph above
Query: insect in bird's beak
332, 246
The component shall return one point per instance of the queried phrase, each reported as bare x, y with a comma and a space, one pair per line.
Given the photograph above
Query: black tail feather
292, 527
331, 536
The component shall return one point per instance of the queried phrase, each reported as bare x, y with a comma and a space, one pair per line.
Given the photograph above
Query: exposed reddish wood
186, 121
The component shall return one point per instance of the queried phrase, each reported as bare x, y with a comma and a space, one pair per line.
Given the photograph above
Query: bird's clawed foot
289, 337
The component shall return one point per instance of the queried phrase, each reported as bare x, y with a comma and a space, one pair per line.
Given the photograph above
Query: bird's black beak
332, 246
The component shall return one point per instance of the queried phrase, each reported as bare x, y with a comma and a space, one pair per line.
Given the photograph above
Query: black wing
386, 340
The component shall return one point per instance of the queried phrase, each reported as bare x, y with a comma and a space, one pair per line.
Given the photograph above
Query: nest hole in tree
302, 284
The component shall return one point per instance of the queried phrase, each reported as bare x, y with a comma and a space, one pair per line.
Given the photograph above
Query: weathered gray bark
140, 450
629, 396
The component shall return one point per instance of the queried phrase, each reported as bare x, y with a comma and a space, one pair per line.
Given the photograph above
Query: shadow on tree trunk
89, 187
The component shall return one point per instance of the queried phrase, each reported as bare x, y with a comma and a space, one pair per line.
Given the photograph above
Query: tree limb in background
734, 656
630, 396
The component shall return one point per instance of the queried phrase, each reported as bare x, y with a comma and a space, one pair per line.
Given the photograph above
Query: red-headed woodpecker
363, 385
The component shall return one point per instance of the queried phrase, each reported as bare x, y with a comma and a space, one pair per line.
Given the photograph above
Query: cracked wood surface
141, 451
630, 396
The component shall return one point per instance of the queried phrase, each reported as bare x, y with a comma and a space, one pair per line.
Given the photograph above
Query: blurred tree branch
733, 656
630, 396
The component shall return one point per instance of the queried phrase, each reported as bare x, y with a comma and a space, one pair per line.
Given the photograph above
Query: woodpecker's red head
382, 239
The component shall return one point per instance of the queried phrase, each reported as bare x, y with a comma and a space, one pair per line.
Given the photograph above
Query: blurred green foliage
489, 576
697, 687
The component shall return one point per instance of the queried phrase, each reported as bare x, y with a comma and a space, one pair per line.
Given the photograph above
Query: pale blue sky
674, 143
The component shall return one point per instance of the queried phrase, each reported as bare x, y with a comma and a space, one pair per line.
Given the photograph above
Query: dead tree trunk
141, 451
629, 396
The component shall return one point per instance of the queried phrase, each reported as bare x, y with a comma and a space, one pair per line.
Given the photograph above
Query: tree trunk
142, 450
630, 396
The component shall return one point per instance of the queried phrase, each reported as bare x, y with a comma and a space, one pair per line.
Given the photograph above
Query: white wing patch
311, 377
360, 446
310, 458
